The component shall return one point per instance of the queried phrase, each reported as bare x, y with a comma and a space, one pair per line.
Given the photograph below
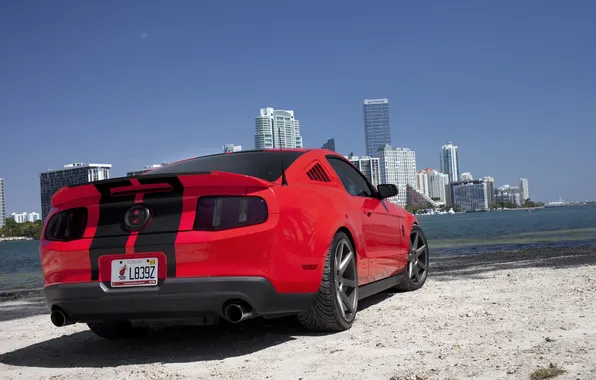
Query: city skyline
394, 165
513, 101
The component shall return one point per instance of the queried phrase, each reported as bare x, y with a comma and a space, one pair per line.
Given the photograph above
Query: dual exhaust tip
233, 312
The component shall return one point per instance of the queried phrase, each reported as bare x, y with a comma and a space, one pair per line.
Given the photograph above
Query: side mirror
387, 190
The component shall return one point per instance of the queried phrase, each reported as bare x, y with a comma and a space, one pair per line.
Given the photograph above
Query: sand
490, 316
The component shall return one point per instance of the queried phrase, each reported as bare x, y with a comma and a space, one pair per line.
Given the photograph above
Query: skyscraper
450, 161
2, 209
277, 128
377, 133
398, 167
523, 185
72, 174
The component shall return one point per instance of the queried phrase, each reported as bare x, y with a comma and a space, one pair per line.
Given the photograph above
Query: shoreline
438, 264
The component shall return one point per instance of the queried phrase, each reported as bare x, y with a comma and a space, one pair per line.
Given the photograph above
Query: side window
350, 178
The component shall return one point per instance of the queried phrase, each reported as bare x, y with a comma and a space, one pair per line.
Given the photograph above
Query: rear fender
310, 218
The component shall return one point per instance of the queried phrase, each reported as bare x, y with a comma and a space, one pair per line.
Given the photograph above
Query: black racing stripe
166, 209
111, 236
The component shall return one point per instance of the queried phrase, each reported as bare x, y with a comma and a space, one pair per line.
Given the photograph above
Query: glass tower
376, 126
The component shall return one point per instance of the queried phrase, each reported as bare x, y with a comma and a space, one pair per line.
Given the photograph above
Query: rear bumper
173, 299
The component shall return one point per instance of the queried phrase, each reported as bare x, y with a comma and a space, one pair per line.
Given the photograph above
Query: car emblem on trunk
137, 217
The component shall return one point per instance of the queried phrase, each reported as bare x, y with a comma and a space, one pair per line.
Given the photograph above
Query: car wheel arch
345, 230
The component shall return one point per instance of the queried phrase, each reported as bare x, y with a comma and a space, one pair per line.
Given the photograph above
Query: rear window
260, 164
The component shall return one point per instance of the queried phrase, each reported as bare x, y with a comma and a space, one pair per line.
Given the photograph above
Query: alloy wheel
346, 280
418, 258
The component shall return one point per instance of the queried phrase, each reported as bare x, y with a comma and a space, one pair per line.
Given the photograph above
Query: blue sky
133, 83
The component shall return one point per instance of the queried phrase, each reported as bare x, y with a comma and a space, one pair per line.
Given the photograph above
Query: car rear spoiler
147, 183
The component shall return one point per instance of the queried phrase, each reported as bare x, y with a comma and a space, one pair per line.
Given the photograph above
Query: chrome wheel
346, 280
417, 258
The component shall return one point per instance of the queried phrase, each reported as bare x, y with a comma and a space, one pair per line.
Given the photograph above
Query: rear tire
336, 304
418, 262
113, 330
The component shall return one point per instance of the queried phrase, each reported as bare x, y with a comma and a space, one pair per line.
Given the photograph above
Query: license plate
134, 272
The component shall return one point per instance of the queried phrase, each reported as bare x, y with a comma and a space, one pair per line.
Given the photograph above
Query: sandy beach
490, 316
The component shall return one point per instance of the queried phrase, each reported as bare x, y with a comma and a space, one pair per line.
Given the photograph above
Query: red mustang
255, 233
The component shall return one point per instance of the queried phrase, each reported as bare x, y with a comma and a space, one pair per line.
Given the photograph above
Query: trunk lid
152, 203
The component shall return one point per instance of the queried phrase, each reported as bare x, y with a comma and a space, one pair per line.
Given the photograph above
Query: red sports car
265, 233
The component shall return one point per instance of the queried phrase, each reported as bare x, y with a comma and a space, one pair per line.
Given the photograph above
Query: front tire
113, 330
336, 304
418, 262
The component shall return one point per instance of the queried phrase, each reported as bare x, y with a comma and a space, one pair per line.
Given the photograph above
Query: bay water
456, 234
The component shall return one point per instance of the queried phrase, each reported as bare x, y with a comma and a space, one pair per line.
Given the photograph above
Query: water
447, 234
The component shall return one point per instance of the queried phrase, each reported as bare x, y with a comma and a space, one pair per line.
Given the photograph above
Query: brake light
225, 212
67, 225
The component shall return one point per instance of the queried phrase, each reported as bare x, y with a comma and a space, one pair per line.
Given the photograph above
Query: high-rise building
277, 128
72, 174
470, 195
437, 183
369, 166
229, 148
422, 181
490, 190
509, 194
2, 209
523, 185
145, 169
398, 167
450, 161
330, 145
377, 132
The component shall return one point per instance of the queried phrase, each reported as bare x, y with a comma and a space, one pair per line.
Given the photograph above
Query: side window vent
317, 173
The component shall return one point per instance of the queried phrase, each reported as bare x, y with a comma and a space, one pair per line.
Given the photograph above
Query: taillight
224, 212
67, 225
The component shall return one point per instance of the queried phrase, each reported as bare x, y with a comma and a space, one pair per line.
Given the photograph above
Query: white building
369, 166
277, 128
398, 167
2, 214
490, 189
437, 185
20, 218
422, 181
523, 185
509, 194
228, 148
25, 217
466, 177
72, 174
450, 161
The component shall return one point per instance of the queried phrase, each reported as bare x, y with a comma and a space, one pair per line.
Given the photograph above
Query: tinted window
352, 180
264, 165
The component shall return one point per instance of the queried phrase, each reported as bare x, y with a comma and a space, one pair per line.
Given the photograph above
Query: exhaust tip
236, 313
58, 318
